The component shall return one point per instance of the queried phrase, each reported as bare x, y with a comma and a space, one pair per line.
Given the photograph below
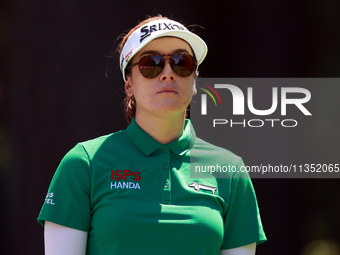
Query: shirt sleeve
68, 199
242, 222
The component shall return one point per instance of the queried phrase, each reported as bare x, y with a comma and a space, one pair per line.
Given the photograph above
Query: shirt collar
147, 145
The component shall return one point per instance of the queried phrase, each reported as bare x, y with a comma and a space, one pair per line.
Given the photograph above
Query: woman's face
168, 94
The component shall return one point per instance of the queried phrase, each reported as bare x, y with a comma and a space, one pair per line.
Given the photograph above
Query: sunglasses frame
163, 55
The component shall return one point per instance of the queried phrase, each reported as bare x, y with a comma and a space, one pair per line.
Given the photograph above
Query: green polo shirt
132, 195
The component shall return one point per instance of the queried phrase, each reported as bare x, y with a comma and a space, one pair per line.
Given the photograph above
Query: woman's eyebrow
155, 52
181, 51
148, 52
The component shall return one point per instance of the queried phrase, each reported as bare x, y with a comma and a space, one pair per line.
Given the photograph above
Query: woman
131, 192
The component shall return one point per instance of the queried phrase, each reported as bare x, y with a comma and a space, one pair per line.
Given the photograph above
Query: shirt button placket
166, 175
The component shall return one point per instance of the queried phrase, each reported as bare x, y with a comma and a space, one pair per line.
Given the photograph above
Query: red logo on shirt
123, 174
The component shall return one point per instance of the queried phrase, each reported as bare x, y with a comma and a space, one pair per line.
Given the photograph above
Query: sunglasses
151, 66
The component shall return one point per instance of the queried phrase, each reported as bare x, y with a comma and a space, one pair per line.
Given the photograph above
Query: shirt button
166, 185
165, 150
166, 166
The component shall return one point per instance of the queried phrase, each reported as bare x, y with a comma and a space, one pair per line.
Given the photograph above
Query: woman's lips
167, 90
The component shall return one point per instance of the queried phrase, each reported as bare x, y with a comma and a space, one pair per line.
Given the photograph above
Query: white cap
156, 29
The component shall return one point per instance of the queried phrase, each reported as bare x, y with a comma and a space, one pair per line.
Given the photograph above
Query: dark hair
130, 102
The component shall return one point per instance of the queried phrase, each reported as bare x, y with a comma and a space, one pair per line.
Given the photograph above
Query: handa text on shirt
125, 185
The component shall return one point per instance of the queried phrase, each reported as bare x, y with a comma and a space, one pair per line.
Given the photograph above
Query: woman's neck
163, 130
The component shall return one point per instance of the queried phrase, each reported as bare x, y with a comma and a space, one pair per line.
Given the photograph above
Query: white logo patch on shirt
198, 187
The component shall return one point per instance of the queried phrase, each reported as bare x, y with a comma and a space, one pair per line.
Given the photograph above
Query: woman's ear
194, 89
128, 86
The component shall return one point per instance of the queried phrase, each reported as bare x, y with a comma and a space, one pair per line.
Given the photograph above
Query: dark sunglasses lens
183, 65
151, 66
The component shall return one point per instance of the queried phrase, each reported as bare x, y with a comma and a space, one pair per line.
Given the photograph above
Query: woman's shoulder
109, 142
116, 136
206, 148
